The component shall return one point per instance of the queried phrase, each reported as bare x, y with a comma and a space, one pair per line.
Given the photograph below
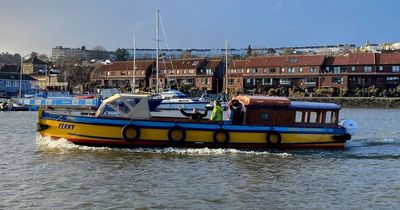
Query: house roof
388, 58
212, 64
14, 76
351, 59
125, 65
280, 61
35, 60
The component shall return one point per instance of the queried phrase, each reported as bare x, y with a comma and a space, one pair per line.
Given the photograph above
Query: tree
99, 52
99, 48
34, 54
271, 51
44, 57
249, 50
288, 51
121, 54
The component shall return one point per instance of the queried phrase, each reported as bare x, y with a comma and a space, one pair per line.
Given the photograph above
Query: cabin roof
263, 100
314, 105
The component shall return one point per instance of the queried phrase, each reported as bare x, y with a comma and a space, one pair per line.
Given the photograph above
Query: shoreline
355, 102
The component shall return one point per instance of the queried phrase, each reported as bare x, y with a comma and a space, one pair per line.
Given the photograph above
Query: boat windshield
126, 106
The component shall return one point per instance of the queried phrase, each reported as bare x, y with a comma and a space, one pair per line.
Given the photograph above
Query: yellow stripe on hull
100, 133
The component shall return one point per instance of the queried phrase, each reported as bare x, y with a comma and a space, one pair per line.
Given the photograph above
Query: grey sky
39, 25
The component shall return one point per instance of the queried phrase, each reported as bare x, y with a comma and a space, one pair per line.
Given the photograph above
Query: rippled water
44, 174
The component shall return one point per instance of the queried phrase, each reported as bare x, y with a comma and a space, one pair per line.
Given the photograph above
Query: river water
43, 174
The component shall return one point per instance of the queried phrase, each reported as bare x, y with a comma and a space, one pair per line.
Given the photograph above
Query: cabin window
133, 101
328, 117
121, 106
334, 117
109, 111
299, 116
313, 117
265, 116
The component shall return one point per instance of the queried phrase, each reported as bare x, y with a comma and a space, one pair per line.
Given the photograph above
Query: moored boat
258, 123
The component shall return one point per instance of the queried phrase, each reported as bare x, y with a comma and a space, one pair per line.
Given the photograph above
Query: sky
40, 25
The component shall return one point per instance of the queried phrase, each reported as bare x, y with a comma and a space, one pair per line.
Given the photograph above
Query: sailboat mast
226, 66
134, 65
158, 46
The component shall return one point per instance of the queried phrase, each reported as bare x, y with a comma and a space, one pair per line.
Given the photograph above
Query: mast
158, 46
134, 65
226, 66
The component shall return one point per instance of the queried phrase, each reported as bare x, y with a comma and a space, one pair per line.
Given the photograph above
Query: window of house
248, 71
367, 69
184, 71
272, 70
191, 71
177, 71
266, 81
353, 68
283, 70
108, 73
395, 68
231, 81
290, 70
255, 71
336, 69
313, 70
300, 69
122, 73
337, 80
380, 68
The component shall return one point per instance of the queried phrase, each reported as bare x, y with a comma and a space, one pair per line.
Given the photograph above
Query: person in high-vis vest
216, 114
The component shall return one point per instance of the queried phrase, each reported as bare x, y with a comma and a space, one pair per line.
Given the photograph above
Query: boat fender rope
271, 133
181, 135
219, 141
125, 134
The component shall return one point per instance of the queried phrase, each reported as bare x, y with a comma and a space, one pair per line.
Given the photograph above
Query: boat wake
47, 143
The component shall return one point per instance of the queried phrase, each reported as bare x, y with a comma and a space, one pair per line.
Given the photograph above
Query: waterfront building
81, 55
33, 65
10, 83
262, 73
345, 72
120, 74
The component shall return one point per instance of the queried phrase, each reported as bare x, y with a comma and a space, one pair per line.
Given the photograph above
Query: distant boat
174, 99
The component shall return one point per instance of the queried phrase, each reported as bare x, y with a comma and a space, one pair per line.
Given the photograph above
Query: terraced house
261, 73
197, 73
354, 72
120, 74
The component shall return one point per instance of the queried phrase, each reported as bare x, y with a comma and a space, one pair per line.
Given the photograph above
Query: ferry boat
260, 122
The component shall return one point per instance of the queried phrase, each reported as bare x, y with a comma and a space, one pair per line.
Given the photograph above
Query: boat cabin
245, 110
280, 111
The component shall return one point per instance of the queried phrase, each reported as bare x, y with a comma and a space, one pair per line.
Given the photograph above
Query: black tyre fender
278, 138
226, 134
124, 133
176, 129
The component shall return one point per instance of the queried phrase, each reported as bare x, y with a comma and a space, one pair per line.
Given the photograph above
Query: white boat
174, 99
